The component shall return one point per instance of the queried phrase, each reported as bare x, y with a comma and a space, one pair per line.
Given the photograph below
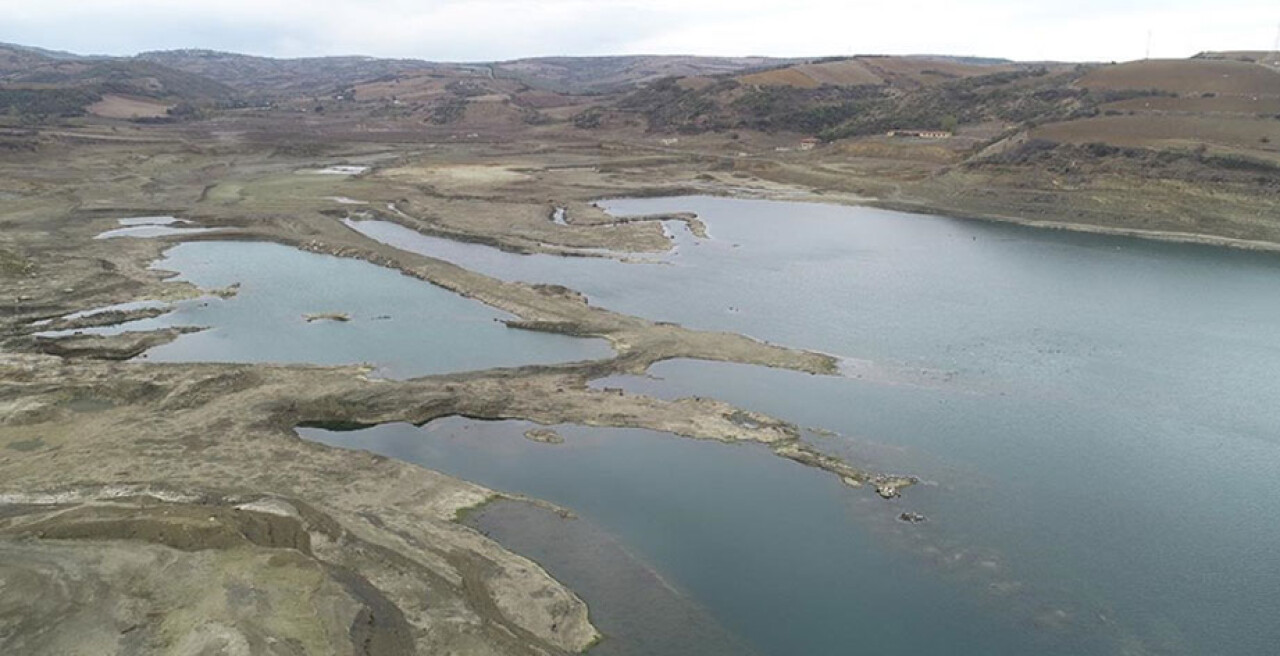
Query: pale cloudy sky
504, 29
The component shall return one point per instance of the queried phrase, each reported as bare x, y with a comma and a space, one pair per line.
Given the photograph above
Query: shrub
39, 104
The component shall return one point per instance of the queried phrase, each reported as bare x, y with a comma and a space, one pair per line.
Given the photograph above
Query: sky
487, 30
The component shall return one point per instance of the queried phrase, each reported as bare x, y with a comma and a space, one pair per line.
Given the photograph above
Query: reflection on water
783, 556
402, 325
639, 612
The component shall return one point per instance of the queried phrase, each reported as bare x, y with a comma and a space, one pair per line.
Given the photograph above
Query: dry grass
1170, 130
841, 73
884, 148
1187, 76
1252, 105
417, 88
927, 71
809, 76
695, 83
457, 179
113, 106
870, 70
782, 77
539, 99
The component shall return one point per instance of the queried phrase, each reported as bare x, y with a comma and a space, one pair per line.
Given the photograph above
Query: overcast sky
505, 29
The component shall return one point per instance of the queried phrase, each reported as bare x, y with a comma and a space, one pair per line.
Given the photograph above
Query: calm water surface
784, 556
1098, 417
400, 324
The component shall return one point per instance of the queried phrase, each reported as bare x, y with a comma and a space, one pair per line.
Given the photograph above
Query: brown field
1187, 76
912, 71
695, 83
899, 149
782, 77
842, 73
113, 106
498, 115
538, 99
417, 88
1261, 56
808, 76
1156, 131
423, 87
927, 71
1252, 105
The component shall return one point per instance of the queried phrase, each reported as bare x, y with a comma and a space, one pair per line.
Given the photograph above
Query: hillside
266, 75
1106, 145
36, 85
1188, 77
900, 72
864, 101
1226, 104
573, 75
590, 75
1265, 57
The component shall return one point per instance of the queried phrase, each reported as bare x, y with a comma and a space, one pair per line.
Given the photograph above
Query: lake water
1097, 417
785, 557
401, 325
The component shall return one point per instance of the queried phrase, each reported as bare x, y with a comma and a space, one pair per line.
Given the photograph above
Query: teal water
1096, 417
403, 326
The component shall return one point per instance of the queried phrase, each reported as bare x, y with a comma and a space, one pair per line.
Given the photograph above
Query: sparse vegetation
35, 105
13, 264
1193, 165
588, 119
448, 112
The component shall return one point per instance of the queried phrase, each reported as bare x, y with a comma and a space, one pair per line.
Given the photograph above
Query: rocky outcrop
543, 435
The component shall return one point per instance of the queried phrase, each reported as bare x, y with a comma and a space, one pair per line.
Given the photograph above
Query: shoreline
1166, 236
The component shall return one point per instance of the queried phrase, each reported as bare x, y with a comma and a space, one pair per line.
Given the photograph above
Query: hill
901, 72
266, 75
1187, 77
852, 97
573, 75
592, 75
36, 85
1264, 57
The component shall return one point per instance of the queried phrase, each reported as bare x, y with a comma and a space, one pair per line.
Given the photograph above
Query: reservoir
1095, 419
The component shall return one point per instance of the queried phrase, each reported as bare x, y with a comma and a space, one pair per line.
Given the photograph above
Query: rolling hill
37, 84
593, 75
1187, 77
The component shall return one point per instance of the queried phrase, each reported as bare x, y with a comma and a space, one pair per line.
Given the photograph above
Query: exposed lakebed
1098, 415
